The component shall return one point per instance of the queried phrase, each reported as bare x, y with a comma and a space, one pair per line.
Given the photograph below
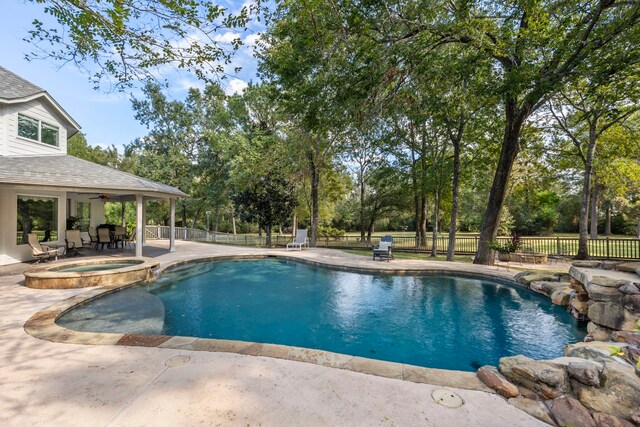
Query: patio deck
47, 383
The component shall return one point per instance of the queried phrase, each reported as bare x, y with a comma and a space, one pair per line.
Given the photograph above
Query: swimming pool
433, 321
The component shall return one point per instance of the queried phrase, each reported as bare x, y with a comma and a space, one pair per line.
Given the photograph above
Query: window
37, 215
83, 213
36, 130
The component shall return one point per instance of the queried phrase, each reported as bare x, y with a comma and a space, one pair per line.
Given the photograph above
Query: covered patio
38, 194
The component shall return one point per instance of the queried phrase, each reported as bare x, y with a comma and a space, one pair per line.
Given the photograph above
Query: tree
78, 146
536, 48
186, 147
583, 113
131, 39
270, 201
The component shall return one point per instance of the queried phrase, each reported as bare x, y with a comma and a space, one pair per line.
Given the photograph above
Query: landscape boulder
632, 302
526, 277
586, 372
490, 376
605, 294
568, 411
543, 378
629, 289
612, 315
619, 393
562, 295
532, 407
606, 420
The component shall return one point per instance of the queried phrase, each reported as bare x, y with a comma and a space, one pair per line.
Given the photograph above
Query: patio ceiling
68, 173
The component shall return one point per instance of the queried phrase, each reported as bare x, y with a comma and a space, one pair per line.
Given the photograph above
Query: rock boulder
570, 412
532, 407
619, 394
490, 376
543, 378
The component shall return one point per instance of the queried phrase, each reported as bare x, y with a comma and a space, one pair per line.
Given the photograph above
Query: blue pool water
434, 321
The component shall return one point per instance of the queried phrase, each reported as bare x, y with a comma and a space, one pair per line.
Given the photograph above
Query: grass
411, 255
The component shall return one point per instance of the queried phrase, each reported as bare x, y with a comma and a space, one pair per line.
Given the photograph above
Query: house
41, 186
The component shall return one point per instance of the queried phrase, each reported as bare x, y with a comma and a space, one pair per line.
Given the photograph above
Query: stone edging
43, 325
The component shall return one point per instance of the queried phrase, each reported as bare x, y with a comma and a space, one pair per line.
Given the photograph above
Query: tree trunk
315, 181
594, 212
233, 223
638, 230
583, 243
451, 247
510, 147
607, 223
434, 233
184, 215
122, 214
268, 231
423, 221
294, 225
362, 225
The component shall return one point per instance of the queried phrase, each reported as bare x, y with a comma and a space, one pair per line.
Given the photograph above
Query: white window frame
40, 123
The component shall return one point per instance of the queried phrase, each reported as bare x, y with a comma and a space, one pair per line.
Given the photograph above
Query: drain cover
176, 361
446, 398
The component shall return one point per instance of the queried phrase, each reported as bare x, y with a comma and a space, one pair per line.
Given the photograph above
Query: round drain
176, 361
447, 398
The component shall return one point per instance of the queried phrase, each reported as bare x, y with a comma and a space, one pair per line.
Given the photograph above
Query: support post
172, 226
139, 224
144, 222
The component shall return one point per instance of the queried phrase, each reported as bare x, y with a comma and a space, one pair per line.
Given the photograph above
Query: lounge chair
383, 250
74, 242
299, 241
38, 251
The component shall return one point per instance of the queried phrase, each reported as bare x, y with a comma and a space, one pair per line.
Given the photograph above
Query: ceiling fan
101, 196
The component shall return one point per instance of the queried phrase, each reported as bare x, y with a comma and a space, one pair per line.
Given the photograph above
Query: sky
106, 118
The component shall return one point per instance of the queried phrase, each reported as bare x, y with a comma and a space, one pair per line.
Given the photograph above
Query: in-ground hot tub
82, 273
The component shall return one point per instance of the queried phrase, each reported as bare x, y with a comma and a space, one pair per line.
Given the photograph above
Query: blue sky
106, 118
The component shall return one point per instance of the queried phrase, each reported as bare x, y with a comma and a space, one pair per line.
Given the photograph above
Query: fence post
557, 245
607, 247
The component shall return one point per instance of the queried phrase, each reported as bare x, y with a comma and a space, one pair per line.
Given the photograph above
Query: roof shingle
12, 86
70, 172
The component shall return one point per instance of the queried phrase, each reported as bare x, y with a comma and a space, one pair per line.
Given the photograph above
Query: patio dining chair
129, 238
104, 237
74, 242
39, 252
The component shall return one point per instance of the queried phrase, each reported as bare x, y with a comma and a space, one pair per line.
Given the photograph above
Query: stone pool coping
49, 276
43, 325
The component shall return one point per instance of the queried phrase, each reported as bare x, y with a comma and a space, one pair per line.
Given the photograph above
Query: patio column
172, 226
144, 222
139, 224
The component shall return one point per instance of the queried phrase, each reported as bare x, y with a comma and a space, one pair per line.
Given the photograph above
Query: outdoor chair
38, 251
300, 240
93, 236
383, 250
119, 236
74, 242
128, 239
104, 237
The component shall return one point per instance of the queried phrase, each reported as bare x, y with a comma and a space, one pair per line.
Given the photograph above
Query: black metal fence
605, 248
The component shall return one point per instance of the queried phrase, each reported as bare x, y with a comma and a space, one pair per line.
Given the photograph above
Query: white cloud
226, 38
252, 39
235, 86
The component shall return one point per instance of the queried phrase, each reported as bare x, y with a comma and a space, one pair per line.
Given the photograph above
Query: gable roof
15, 89
74, 174
13, 86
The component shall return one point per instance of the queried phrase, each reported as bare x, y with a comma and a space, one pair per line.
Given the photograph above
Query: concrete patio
47, 383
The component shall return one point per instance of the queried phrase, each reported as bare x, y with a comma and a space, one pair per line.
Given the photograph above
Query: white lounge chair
38, 251
299, 241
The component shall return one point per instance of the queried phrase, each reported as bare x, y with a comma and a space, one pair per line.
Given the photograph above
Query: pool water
94, 267
433, 321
